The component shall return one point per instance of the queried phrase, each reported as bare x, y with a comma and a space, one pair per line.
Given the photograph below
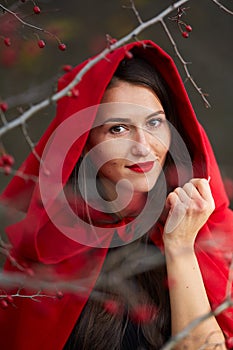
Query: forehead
126, 100
123, 91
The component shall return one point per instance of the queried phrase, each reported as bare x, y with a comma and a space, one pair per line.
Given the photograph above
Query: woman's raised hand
189, 208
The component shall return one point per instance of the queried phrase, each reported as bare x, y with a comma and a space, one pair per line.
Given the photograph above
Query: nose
141, 145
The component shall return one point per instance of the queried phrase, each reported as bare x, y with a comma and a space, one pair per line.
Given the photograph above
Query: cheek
162, 144
166, 139
108, 153
110, 170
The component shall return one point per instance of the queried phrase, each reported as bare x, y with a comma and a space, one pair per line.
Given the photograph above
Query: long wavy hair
97, 327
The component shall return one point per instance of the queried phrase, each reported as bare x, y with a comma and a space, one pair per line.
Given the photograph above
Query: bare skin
190, 208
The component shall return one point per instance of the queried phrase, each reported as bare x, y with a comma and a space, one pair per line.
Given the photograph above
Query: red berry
36, 10
4, 106
9, 299
3, 304
185, 35
112, 307
143, 314
7, 41
128, 55
8, 159
59, 294
67, 68
62, 47
41, 44
188, 28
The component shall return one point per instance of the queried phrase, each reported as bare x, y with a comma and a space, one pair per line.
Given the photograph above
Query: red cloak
38, 242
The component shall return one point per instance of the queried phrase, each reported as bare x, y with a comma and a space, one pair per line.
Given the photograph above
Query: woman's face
131, 137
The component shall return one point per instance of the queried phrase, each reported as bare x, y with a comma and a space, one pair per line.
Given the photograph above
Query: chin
144, 185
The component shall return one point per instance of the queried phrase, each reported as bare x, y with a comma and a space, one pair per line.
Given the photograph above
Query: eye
117, 129
155, 122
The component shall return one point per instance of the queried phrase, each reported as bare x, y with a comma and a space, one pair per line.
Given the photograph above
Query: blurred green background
28, 74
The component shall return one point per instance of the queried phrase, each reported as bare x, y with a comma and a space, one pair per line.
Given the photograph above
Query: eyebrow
128, 120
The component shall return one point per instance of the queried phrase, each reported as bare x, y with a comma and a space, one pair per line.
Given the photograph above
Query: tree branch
43, 104
185, 64
223, 7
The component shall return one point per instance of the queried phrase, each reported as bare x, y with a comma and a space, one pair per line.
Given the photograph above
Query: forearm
189, 300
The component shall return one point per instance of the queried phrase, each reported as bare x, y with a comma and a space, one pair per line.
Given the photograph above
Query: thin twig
27, 24
33, 297
184, 63
223, 7
186, 331
3, 118
133, 7
41, 105
29, 141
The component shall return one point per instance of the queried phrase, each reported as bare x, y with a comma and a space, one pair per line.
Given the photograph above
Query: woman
137, 136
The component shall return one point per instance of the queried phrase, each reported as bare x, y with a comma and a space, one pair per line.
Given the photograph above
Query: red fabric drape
48, 323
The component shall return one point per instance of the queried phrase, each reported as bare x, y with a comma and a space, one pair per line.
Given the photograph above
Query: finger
203, 187
183, 196
191, 190
171, 200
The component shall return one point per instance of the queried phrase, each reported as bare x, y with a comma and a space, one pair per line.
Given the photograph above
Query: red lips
141, 167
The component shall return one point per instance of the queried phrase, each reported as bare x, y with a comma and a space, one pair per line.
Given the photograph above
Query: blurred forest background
28, 74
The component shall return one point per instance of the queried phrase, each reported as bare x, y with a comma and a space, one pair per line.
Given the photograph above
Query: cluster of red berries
41, 43
185, 33
184, 28
6, 162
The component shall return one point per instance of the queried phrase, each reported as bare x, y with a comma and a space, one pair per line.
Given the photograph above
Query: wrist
177, 251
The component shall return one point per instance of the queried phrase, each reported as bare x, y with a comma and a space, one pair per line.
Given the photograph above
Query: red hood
36, 238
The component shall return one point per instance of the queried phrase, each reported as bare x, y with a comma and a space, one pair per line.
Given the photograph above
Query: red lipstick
141, 167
